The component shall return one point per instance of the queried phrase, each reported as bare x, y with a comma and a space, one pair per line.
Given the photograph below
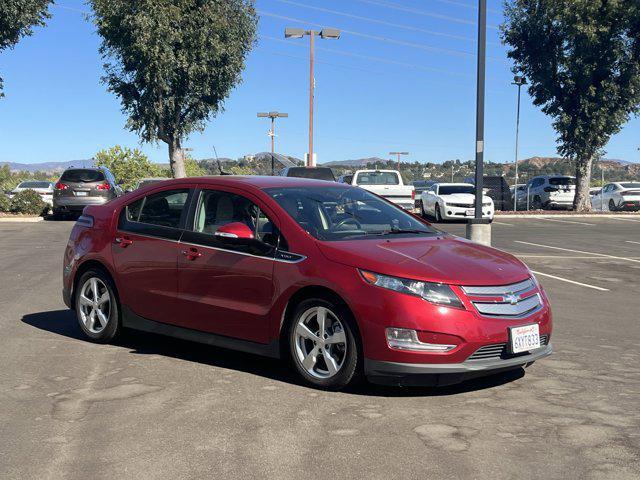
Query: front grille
505, 301
500, 351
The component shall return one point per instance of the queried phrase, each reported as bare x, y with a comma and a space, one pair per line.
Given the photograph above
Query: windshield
82, 176
562, 181
630, 185
34, 185
339, 213
316, 173
451, 189
377, 178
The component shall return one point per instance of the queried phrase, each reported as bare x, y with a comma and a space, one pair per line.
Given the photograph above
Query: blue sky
401, 77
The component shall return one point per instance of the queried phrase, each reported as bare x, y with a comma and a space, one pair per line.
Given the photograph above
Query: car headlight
437, 293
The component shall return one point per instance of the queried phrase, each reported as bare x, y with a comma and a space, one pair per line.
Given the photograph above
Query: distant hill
48, 167
360, 162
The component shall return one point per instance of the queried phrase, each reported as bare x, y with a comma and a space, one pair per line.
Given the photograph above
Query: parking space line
565, 257
625, 219
579, 251
631, 241
567, 221
571, 281
502, 223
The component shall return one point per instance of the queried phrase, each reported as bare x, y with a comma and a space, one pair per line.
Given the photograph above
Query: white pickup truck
387, 184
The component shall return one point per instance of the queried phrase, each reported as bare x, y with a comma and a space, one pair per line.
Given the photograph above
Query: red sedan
329, 276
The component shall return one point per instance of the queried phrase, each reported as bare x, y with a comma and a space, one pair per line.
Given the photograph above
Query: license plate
82, 194
470, 212
524, 338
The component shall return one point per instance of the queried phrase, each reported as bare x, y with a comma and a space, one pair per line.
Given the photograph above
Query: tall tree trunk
176, 158
582, 201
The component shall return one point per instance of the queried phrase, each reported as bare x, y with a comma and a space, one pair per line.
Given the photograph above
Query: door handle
191, 253
124, 242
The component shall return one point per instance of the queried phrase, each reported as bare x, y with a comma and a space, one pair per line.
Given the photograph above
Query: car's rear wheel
423, 212
323, 345
97, 306
612, 206
537, 203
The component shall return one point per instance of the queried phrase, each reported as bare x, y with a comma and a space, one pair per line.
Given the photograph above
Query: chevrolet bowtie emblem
512, 298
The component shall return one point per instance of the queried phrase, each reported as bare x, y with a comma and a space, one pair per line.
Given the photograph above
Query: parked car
318, 173
453, 201
551, 191
519, 193
331, 277
44, 189
143, 182
496, 187
79, 187
387, 184
420, 186
617, 196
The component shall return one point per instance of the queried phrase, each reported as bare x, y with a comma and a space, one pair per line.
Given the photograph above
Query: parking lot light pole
518, 80
478, 228
299, 33
272, 132
397, 154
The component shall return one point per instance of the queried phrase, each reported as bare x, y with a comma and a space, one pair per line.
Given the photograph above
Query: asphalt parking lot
153, 407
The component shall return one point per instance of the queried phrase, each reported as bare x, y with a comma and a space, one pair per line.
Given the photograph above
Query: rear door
227, 290
145, 253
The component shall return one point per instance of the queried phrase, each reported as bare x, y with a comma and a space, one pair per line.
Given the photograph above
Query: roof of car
258, 181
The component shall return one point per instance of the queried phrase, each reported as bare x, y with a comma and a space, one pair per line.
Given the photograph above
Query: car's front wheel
323, 345
612, 206
97, 306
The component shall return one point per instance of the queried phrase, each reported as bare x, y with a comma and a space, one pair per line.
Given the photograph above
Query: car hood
446, 259
463, 198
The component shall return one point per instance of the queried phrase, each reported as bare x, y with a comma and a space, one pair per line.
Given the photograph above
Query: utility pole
272, 132
478, 228
299, 33
397, 154
518, 80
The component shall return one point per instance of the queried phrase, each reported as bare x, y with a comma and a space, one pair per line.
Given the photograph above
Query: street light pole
479, 229
272, 132
397, 154
518, 80
299, 33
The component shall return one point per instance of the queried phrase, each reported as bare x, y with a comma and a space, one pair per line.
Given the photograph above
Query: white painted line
567, 221
631, 241
565, 257
571, 281
503, 223
625, 219
579, 251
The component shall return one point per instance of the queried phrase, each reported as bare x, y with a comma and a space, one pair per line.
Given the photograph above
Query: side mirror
234, 233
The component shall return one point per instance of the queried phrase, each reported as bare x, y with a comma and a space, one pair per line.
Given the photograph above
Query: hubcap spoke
337, 337
311, 359
304, 332
321, 316
85, 301
102, 318
332, 365
94, 288
103, 298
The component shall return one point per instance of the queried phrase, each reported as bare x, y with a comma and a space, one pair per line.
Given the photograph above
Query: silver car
79, 187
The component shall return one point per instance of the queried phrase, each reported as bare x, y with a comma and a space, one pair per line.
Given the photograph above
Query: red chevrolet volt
337, 280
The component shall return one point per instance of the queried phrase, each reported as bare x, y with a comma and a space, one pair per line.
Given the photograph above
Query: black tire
438, 214
113, 325
612, 206
350, 370
423, 214
537, 203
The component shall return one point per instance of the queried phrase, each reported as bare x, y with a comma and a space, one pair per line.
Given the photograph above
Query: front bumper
450, 212
439, 374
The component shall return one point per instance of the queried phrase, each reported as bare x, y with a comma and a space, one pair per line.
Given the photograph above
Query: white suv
551, 191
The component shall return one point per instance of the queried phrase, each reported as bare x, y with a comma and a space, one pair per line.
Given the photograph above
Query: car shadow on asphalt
63, 322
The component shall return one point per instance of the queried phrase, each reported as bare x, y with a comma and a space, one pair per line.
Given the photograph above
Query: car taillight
413, 194
61, 186
550, 189
104, 186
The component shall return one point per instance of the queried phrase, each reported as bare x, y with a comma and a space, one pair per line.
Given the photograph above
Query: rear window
82, 175
34, 185
630, 185
315, 173
378, 178
562, 181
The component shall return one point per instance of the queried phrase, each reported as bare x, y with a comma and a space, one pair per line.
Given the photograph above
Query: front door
225, 289
145, 254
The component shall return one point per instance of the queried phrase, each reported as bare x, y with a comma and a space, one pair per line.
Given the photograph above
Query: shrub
4, 202
28, 202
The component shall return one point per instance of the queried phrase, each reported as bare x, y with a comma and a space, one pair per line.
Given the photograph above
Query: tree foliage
28, 202
582, 59
128, 166
173, 62
17, 19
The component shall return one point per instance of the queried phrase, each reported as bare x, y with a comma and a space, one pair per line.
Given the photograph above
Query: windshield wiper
395, 231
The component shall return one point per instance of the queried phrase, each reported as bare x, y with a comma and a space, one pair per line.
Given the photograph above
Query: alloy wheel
320, 342
95, 305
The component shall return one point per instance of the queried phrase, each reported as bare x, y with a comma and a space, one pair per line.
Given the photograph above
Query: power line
415, 11
466, 5
446, 51
378, 21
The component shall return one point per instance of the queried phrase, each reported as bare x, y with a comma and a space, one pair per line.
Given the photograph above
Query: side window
163, 209
218, 208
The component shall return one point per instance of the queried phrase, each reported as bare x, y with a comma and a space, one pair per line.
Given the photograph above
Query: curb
20, 219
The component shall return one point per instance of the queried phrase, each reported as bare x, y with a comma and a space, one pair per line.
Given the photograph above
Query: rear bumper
629, 205
416, 374
77, 203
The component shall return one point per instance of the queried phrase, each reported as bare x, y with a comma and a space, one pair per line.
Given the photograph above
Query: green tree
173, 62
17, 19
582, 59
128, 166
